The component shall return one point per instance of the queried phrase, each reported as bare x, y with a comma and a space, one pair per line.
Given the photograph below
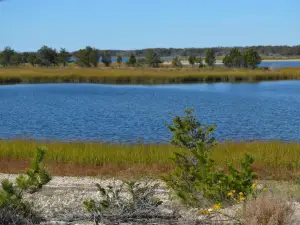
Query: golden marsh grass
141, 75
273, 159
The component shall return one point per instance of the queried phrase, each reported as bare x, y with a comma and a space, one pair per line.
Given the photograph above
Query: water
267, 110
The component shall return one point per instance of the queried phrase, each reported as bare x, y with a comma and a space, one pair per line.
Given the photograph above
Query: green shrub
196, 179
11, 195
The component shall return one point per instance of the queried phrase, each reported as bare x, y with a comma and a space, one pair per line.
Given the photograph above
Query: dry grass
267, 210
140, 75
273, 159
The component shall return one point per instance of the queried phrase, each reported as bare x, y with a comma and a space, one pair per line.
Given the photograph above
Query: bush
13, 208
195, 178
126, 202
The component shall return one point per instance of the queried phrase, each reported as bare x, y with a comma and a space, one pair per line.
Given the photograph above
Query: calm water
267, 110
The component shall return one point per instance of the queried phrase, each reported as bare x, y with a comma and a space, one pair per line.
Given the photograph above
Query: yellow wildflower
229, 194
241, 193
242, 199
233, 191
266, 189
217, 206
253, 186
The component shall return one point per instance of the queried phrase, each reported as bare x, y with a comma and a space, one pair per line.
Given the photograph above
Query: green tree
106, 59
227, 61
199, 61
63, 56
16, 59
93, 56
196, 179
32, 58
210, 58
153, 59
87, 57
192, 60
6, 56
47, 56
131, 60
83, 58
119, 60
176, 62
234, 59
251, 59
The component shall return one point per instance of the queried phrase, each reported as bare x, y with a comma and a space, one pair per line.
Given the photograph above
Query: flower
241, 193
217, 206
233, 191
266, 189
242, 199
230, 194
204, 212
253, 186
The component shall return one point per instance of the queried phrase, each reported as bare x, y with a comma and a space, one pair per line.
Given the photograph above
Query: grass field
141, 75
273, 159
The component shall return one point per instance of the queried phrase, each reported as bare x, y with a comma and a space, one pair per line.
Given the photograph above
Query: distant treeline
219, 51
89, 57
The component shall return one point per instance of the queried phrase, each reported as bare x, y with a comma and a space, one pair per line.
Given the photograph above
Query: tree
234, 59
6, 55
131, 60
210, 58
106, 59
16, 59
251, 58
227, 61
32, 58
87, 57
63, 56
119, 60
176, 62
199, 61
192, 60
47, 56
93, 56
195, 178
153, 59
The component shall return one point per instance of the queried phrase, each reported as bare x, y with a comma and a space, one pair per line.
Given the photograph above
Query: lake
247, 111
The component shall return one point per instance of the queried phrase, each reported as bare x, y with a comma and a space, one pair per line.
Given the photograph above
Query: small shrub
126, 202
195, 178
13, 208
267, 210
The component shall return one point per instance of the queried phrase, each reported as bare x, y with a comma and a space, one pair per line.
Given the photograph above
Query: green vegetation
106, 59
87, 57
210, 58
12, 203
235, 59
153, 59
195, 178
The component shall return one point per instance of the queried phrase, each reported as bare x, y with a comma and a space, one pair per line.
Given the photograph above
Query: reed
273, 159
28, 75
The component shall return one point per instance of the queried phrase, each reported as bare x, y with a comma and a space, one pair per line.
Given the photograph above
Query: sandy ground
61, 201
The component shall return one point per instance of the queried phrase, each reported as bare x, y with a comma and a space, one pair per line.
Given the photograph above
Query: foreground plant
127, 201
13, 208
196, 178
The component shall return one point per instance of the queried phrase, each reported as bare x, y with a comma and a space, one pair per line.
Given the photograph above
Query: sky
26, 25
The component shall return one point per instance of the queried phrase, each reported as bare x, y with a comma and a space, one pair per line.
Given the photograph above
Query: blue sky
26, 25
